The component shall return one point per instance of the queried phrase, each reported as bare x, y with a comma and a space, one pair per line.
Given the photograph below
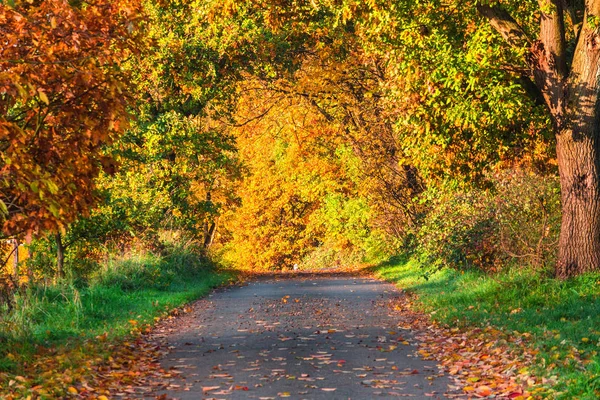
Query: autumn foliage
63, 95
272, 134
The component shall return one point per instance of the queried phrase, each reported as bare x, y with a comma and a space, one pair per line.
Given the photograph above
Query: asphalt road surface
304, 337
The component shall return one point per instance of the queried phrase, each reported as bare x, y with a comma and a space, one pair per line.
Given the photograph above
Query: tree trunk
210, 227
579, 243
16, 261
578, 156
29, 269
60, 256
209, 234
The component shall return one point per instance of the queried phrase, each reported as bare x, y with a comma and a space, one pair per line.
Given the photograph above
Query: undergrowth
125, 293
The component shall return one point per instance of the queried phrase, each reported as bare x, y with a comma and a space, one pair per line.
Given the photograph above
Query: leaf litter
483, 362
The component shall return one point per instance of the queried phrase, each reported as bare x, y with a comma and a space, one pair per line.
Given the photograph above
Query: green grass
563, 317
138, 289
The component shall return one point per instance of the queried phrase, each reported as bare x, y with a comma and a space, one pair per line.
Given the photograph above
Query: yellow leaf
103, 397
43, 97
72, 390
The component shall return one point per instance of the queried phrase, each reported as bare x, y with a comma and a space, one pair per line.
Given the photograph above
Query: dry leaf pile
484, 362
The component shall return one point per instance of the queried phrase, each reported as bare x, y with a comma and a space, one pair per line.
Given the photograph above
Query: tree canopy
272, 130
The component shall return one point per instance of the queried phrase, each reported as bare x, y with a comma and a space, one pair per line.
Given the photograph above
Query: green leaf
54, 209
52, 187
35, 186
3, 208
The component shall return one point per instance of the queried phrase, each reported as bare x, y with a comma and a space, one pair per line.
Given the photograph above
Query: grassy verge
562, 317
56, 335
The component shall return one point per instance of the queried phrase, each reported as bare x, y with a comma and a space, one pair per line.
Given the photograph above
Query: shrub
458, 231
528, 214
515, 220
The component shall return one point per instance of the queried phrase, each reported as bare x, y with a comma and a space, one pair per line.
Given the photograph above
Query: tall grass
139, 287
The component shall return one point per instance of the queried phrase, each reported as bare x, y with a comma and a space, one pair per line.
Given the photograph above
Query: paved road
304, 338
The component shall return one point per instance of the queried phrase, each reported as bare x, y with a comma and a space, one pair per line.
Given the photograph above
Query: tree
564, 64
63, 96
417, 89
175, 173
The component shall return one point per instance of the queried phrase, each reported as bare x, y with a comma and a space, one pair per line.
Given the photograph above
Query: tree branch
552, 36
505, 25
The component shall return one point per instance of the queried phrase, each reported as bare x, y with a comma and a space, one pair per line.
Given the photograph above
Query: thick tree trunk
60, 256
579, 243
578, 156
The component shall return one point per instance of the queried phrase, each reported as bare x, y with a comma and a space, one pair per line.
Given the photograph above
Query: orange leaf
484, 391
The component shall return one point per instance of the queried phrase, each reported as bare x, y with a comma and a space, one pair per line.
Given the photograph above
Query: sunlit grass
563, 317
137, 289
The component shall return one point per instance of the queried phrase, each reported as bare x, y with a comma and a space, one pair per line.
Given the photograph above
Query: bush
324, 257
458, 231
528, 213
516, 219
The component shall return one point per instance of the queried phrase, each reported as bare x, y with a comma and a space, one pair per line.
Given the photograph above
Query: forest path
302, 337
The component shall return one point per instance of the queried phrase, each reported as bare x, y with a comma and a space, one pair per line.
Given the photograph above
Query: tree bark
578, 156
60, 256
579, 242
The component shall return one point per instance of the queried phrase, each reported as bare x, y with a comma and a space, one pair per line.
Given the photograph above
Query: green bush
516, 219
458, 231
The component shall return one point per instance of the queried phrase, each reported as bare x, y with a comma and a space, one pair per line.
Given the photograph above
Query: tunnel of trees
274, 133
